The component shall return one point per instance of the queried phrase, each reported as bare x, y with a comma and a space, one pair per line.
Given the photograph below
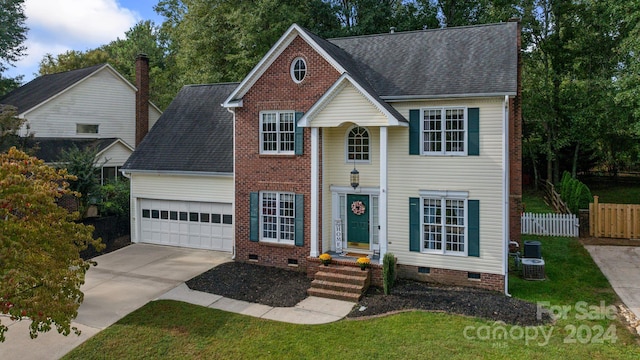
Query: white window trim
260, 219
292, 67
443, 196
277, 113
443, 152
346, 146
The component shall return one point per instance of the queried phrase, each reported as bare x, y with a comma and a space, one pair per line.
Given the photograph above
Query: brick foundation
487, 281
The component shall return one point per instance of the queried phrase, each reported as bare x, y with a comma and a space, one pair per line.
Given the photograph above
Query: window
110, 174
443, 225
298, 70
277, 132
444, 131
86, 129
277, 217
358, 144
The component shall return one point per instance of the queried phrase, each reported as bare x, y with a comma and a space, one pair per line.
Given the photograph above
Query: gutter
505, 192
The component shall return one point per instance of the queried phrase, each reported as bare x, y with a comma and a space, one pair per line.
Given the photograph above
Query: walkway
127, 279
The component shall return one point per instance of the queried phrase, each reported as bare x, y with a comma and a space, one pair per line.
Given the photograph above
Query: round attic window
298, 70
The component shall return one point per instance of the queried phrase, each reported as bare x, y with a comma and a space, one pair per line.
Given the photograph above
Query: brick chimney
142, 97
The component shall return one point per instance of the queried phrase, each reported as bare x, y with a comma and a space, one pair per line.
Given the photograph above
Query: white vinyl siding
181, 187
103, 99
480, 176
116, 155
349, 105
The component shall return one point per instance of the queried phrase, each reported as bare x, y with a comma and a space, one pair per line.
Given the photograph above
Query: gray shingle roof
44, 87
50, 149
466, 60
194, 134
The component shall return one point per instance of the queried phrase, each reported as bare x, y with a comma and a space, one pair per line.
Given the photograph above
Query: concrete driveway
123, 281
621, 266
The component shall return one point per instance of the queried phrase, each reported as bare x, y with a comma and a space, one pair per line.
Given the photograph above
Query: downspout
233, 252
505, 192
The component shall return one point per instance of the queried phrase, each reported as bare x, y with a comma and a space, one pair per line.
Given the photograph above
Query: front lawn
169, 329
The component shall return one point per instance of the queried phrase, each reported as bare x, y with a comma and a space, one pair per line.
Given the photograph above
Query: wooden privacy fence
550, 224
614, 220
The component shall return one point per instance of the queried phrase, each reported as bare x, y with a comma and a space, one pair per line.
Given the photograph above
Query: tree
12, 37
40, 267
82, 165
10, 124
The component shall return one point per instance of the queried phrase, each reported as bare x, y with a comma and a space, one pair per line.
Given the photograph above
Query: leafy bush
575, 193
388, 272
114, 199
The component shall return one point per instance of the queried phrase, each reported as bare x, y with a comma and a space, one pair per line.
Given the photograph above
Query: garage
201, 225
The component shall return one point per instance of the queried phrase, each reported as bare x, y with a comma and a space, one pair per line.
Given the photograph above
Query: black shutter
473, 122
254, 218
414, 132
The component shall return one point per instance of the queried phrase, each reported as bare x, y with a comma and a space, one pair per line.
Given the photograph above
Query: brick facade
515, 154
275, 90
487, 281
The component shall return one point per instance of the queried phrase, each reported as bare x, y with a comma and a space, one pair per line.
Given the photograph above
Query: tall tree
40, 266
12, 37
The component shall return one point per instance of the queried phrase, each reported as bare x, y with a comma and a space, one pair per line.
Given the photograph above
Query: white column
314, 191
382, 199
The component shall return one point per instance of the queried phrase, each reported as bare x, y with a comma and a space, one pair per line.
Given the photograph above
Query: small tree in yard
40, 268
82, 164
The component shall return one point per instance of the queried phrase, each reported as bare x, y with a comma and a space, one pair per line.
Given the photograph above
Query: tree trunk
574, 165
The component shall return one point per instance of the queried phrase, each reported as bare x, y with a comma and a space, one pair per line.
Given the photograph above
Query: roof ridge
418, 31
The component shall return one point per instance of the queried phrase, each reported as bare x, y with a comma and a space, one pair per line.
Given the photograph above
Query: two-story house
89, 107
405, 142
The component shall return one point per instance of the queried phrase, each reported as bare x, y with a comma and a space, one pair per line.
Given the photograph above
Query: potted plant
363, 262
325, 258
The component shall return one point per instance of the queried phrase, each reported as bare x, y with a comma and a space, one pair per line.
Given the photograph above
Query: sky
56, 26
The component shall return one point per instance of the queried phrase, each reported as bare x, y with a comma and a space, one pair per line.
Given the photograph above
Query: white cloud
86, 21
56, 26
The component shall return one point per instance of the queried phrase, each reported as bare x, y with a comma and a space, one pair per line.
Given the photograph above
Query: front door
358, 221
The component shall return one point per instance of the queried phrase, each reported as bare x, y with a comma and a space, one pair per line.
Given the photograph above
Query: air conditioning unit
533, 269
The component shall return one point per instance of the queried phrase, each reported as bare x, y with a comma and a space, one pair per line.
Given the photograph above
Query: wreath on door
357, 207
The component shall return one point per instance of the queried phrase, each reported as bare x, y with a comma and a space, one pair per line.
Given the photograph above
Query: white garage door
189, 224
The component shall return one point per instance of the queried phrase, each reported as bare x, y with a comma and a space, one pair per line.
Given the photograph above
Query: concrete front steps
338, 282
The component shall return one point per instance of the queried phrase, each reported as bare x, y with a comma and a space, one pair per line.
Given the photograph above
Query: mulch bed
284, 288
254, 283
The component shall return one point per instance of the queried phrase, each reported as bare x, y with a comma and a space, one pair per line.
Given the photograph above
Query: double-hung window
444, 224
277, 217
444, 131
277, 132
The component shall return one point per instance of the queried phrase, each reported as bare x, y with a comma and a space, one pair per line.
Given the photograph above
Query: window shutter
414, 224
299, 222
414, 132
254, 225
474, 228
299, 139
473, 122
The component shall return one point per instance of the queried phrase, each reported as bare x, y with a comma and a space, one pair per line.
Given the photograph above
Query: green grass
175, 330
616, 193
534, 202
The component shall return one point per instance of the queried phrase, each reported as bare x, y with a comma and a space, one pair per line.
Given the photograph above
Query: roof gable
50, 149
353, 102
194, 134
45, 87
235, 98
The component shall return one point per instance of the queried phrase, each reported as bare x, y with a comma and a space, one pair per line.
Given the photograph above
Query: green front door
358, 220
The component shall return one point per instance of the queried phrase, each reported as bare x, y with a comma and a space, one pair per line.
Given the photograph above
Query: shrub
575, 193
388, 272
114, 199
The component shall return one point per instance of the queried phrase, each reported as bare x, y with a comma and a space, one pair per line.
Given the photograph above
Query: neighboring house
404, 142
90, 107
